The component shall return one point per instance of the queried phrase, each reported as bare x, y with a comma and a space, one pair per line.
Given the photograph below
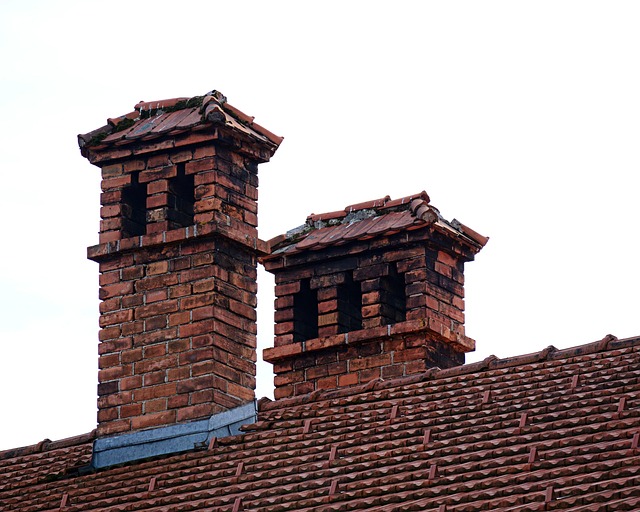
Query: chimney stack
374, 291
178, 259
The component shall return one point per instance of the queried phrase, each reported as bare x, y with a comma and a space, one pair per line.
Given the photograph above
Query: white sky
520, 119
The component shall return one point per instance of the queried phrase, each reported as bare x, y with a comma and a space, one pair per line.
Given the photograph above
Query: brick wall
178, 336
178, 266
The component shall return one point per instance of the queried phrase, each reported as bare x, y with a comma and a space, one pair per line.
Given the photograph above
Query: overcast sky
520, 119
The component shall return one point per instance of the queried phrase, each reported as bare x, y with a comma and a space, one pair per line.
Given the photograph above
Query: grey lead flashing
109, 451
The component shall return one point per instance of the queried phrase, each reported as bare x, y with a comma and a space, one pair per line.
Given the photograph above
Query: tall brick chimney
178, 255
371, 291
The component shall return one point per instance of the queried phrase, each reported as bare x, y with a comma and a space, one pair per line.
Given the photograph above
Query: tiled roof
554, 430
379, 217
154, 119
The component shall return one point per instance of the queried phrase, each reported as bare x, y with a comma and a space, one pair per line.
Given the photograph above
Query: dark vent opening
393, 297
349, 305
305, 313
181, 199
134, 208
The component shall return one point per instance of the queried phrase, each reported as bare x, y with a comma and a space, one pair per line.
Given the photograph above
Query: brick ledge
231, 230
290, 350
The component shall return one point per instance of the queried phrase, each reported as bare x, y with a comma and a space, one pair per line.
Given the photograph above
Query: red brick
157, 405
240, 391
369, 362
132, 328
181, 373
287, 289
178, 346
204, 151
152, 351
115, 373
108, 361
188, 386
134, 165
194, 412
177, 401
131, 356
283, 392
113, 427
181, 156
155, 295
153, 420
157, 308
196, 328
129, 410
390, 372
303, 388
157, 267
348, 379
151, 365
202, 368
157, 160
117, 182
197, 166
180, 318
109, 333
118, 317
163, 390
153, 378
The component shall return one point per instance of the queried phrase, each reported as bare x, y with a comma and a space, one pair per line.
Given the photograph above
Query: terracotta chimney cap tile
368, 219
339, 214
367, 205
407, 199
474, 235
158, 105
160, 117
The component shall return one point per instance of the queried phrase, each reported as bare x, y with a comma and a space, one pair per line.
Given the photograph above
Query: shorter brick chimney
374, 291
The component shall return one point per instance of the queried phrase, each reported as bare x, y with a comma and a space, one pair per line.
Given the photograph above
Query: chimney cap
377, 217
151, 119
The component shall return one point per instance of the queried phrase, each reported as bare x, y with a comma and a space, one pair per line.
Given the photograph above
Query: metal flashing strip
109, 451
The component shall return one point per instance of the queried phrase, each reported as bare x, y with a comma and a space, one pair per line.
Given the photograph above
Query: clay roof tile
380, 217
152, 118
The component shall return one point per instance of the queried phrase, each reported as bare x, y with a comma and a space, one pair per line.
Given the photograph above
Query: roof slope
554, 430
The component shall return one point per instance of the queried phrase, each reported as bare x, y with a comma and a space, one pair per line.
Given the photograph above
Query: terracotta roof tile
501, 434
370, 219
173, 116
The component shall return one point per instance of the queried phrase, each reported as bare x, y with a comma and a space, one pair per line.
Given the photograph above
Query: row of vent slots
375, 450
349, 299
180, 208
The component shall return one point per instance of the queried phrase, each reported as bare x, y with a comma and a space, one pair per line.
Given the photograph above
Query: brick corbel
232, 230
460, 343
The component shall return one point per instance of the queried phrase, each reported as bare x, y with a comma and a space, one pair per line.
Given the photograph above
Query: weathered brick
153, 420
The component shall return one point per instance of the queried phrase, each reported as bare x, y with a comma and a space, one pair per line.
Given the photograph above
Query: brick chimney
372, 291
178, 258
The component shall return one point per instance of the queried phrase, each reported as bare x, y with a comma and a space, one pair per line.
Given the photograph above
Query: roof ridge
609, 342
47, 445
372, 204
